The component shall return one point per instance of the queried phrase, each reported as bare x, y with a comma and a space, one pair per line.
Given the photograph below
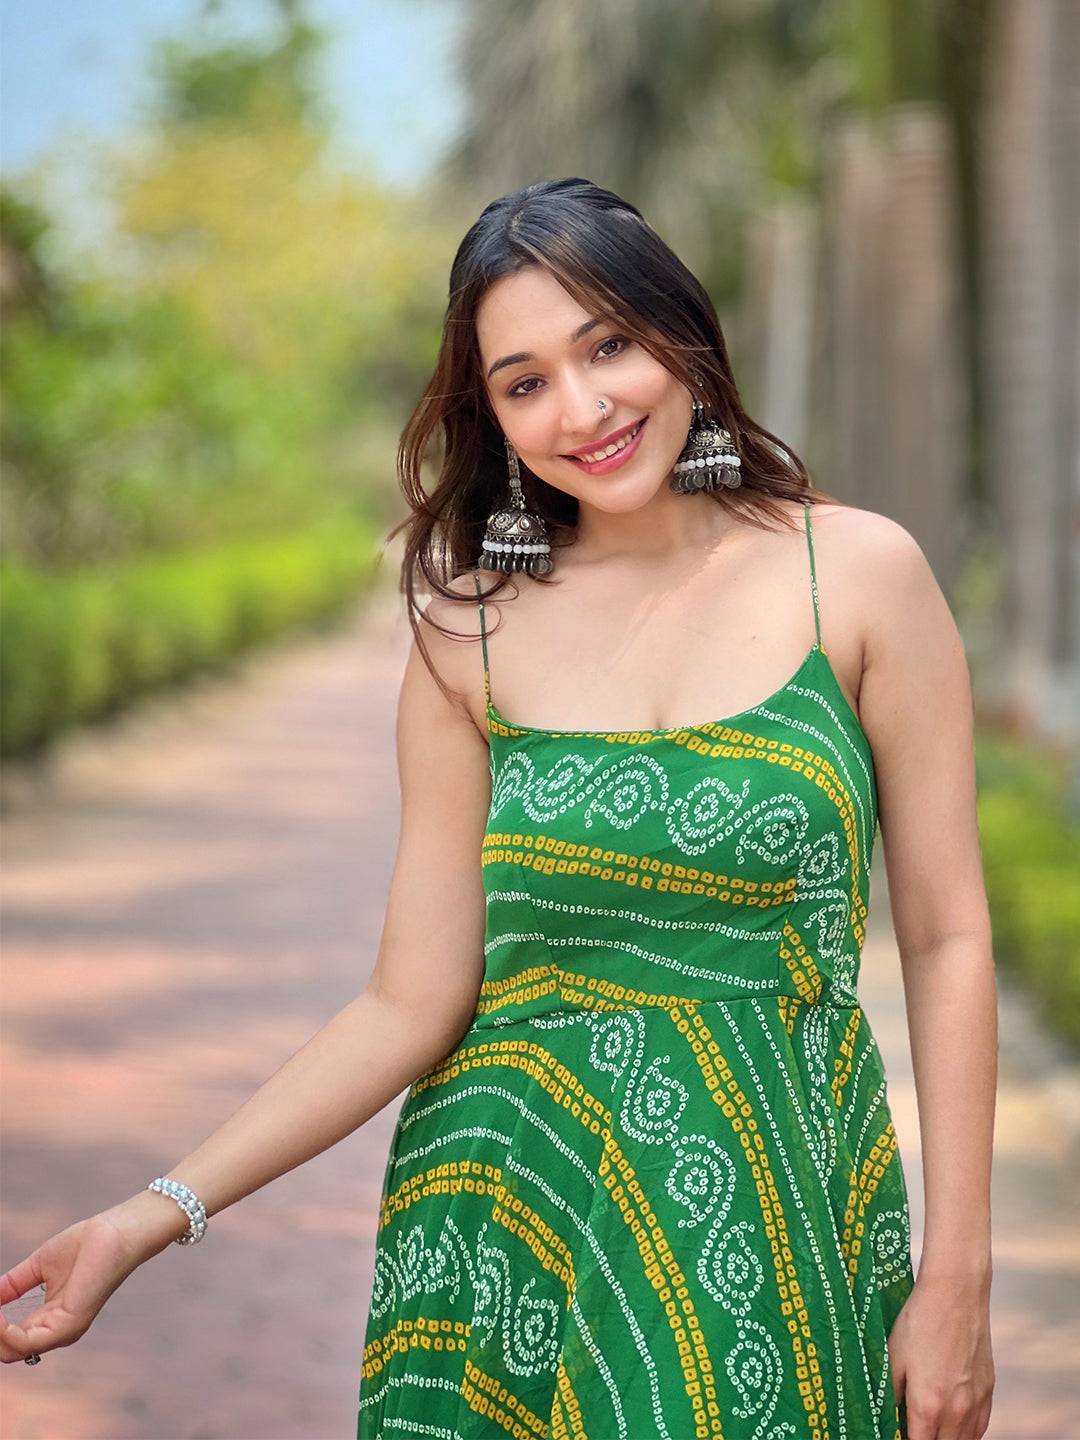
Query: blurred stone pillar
897, 394
926, 392
1028, 152
1061, 717
781, 294
852, 336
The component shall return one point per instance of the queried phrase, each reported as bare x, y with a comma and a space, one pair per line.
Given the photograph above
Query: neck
667, 527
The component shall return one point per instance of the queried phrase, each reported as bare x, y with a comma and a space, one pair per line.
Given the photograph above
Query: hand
80, 1268
939, 1349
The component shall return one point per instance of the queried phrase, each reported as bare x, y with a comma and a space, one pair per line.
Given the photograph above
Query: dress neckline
494, 713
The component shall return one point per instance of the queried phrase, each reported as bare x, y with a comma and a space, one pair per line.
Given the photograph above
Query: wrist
149, 1222
968, 1272
955, 1252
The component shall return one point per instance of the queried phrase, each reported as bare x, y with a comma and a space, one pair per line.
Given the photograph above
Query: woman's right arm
412, 1012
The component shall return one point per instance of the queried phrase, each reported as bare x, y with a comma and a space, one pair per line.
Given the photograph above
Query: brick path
196, 892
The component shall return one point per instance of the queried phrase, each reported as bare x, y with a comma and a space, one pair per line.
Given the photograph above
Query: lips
612, 462
602, 444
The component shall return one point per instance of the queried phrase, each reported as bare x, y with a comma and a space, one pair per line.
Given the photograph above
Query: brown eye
517, 393
620, 338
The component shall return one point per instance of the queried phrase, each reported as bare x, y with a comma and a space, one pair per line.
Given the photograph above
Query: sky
72, 70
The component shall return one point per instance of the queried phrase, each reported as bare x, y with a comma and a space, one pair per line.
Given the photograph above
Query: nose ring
603, 407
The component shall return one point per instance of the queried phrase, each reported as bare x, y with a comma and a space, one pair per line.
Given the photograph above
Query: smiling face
561, 361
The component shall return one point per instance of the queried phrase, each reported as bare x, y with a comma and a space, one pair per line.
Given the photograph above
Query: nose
583, 420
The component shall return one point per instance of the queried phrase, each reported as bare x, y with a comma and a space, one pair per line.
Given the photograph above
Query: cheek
647, 385
535, 428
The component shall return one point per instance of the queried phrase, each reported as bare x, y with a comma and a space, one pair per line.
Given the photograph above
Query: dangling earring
516, 538
708, 459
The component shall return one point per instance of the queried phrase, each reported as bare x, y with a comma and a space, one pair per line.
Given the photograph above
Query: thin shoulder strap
483, 641
813, 574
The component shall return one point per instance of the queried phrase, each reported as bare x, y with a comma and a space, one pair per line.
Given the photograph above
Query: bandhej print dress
655, 1191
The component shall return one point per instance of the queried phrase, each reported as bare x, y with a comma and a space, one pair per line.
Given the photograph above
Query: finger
948, 1428
18, 1341
922, 1426
14, 1341
17, 1281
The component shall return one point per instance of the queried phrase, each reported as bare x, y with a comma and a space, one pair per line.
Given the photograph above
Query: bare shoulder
914, 663
866, 536
450, 631
843, 528
879, 568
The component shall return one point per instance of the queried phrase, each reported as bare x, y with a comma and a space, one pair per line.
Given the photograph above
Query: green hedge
79, 645
1031, 860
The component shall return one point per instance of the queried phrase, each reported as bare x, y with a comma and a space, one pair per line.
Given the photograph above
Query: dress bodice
711, 861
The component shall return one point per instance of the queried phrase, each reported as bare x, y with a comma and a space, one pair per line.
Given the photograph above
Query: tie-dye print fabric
655, 1191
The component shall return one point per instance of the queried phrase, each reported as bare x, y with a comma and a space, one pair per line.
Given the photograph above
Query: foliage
81, 645
220, 365
235, 81
1031, 861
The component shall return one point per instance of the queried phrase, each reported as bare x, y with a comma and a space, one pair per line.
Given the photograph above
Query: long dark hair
602, 251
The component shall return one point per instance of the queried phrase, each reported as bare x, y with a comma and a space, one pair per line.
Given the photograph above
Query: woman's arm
423, 989
916, 707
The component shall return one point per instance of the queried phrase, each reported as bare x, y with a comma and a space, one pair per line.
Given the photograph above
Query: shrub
1031, 861
82, 644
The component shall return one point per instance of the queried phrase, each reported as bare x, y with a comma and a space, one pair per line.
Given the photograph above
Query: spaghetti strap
483, 640
813, 577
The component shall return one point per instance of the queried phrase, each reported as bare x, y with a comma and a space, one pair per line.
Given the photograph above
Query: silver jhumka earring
708, 459
516, 538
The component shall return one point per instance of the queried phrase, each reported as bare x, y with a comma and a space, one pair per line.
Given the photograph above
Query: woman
645, 1179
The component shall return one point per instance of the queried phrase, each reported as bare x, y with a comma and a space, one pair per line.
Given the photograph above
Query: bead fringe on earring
708, 460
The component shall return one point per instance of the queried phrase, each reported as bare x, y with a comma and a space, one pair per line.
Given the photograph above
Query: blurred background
225, 238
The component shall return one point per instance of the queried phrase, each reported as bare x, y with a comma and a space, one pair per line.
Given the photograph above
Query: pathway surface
198, 890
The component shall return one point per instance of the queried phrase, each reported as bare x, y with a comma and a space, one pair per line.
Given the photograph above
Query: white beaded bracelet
189, 1202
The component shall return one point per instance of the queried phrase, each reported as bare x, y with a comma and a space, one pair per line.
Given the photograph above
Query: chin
620, 499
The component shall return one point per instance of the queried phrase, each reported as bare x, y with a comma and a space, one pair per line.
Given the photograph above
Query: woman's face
546, 403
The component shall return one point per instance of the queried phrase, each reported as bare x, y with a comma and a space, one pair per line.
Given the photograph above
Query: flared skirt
685, 1221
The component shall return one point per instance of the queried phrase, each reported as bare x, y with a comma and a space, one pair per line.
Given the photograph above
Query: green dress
655, 1191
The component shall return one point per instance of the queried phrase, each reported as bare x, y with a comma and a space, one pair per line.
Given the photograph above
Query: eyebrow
521, 355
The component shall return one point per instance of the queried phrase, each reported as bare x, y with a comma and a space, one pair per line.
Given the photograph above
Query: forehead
528, 310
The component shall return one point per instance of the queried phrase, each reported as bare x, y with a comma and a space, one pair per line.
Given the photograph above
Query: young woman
645, 1180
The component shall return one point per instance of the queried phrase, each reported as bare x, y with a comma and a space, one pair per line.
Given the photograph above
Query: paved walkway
194, 894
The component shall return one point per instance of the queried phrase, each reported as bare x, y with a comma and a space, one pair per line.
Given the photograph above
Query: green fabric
655, 1192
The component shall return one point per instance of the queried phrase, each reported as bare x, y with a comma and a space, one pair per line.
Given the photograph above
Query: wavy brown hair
602, 251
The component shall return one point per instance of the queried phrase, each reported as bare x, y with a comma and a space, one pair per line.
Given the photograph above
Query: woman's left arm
916, 708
